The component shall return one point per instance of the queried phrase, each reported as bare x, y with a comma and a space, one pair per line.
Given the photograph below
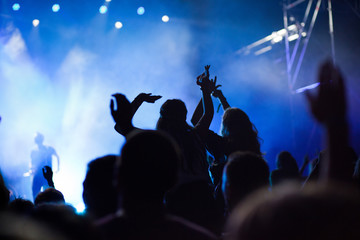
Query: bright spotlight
141, 10
16, 7
107, 0
80, 208
165, 18
36, 22
56, 7
118, 25
103, 9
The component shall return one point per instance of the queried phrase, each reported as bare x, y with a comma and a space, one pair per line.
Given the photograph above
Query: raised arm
143, 97
216, 93
204, 123
122, 115
328, 107
219, 95
125, 111
304, 164
48, 175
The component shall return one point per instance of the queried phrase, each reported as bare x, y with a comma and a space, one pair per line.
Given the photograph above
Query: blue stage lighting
141, 10
56, 7
103, 9
16, 7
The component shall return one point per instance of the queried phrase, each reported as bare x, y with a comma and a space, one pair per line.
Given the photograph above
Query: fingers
216, 87
112, 108
154, 98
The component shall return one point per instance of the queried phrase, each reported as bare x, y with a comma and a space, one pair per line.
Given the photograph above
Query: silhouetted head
173, 110
148, 165
244, 173
285, 160
49, 195
239, 130
315, 212
21, 206
39, 138
99, 195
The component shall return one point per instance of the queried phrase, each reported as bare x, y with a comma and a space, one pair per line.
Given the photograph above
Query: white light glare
16, 7
118, 25
36, 22
277, 39
141, 10
107, 0
103, 9
55, 7
80, 208
293, 37
165, 18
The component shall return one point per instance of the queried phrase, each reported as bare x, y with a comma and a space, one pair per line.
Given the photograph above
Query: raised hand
123, 111
329, 104
214, 88
48, 175
204, 76
148, 97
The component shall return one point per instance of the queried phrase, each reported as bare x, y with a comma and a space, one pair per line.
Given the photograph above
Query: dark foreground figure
147, 169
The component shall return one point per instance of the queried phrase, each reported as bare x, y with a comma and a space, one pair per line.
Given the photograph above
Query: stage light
141, 10
103, 9
118, 25
165, 18
293, 37
277, 39
16, 7
107, 0
56, 7
36, 22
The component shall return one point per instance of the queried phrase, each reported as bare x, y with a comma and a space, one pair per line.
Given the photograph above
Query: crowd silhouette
187, 182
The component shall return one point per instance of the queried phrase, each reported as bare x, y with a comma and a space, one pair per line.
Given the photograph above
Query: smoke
70, 105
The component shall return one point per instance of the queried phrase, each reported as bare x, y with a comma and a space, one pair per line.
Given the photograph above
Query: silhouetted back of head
173, 117
49, 195
286, 161
316, 212
21, 206
99, 195
244, 173
148, 164
173, 109
239, 130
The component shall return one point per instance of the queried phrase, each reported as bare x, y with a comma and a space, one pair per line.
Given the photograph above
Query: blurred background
60, 61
